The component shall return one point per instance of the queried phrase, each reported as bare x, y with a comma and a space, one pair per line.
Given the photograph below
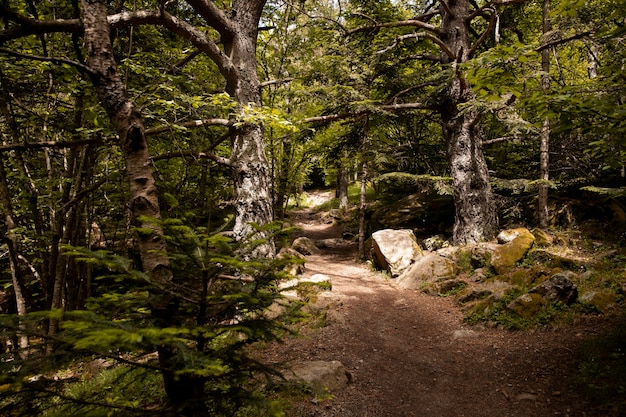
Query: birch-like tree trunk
10, 240
544, 146
185, 393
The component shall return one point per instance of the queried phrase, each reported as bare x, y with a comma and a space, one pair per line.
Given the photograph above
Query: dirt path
409, 354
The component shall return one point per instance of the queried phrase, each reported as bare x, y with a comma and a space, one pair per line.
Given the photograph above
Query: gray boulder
305, 246
431, 267
559, 287
321, 376
394, 250
297, 266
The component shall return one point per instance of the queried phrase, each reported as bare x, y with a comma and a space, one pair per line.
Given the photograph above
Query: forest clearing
165, 246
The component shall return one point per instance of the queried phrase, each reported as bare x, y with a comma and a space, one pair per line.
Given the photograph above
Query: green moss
507, 255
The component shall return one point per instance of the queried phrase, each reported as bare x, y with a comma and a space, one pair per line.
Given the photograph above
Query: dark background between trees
172, 134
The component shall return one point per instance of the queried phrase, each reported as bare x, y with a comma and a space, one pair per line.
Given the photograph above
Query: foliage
221, 302
496, 312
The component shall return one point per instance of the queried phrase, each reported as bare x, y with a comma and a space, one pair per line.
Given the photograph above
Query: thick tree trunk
475, 212
185, 394
476, 216
251, 170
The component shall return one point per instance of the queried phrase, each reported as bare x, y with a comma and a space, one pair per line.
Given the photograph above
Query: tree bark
251, 170
342, 184
365, 149
544, 146
184, 393
11, 241
476, 216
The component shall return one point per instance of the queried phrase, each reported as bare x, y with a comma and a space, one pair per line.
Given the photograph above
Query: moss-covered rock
526, 277
542, 238
527, 305
555, 260
507, 255
601, 300
447, 287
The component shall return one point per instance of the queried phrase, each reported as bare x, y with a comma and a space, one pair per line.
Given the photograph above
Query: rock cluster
482, 274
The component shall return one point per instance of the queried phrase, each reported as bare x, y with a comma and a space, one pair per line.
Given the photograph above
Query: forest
153, 150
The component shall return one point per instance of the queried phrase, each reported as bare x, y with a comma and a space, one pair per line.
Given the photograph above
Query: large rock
602, 300
395, 250
558, 288
431, 267
296, 266
505, 256
321, 376
305, 246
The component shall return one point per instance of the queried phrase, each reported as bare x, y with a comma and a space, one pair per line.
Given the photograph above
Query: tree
544, 156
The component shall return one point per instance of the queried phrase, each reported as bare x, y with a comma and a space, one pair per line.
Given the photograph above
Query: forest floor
410, 354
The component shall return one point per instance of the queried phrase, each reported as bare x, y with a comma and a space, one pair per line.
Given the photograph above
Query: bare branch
498, 140
407, 90
274, 82
193, 123
492, 23
562, 41
401, 23
349, 115
51, 145
418, 35
193, 155
55, 60
427, 57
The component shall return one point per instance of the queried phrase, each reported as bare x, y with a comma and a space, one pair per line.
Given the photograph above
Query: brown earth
410, 354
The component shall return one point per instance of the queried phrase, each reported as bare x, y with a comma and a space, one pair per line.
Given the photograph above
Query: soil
410, 354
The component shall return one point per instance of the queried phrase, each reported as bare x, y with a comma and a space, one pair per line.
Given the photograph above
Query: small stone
526, 397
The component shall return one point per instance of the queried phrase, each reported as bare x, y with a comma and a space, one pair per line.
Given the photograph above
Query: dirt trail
409, 354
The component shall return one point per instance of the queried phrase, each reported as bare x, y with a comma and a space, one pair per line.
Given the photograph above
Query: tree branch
52, 145
55, 60
556, 42
498, 140
194, 155
418, 35
193, 123
349, 115
214, 16
274, 82
401, 23
492, 23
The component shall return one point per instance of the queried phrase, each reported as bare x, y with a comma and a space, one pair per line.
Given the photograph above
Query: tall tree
544, 155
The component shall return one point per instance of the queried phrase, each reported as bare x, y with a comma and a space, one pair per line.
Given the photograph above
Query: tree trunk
183, 392
342, 185
251, 170
365, 149
11, 241
544, 147
475, 211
